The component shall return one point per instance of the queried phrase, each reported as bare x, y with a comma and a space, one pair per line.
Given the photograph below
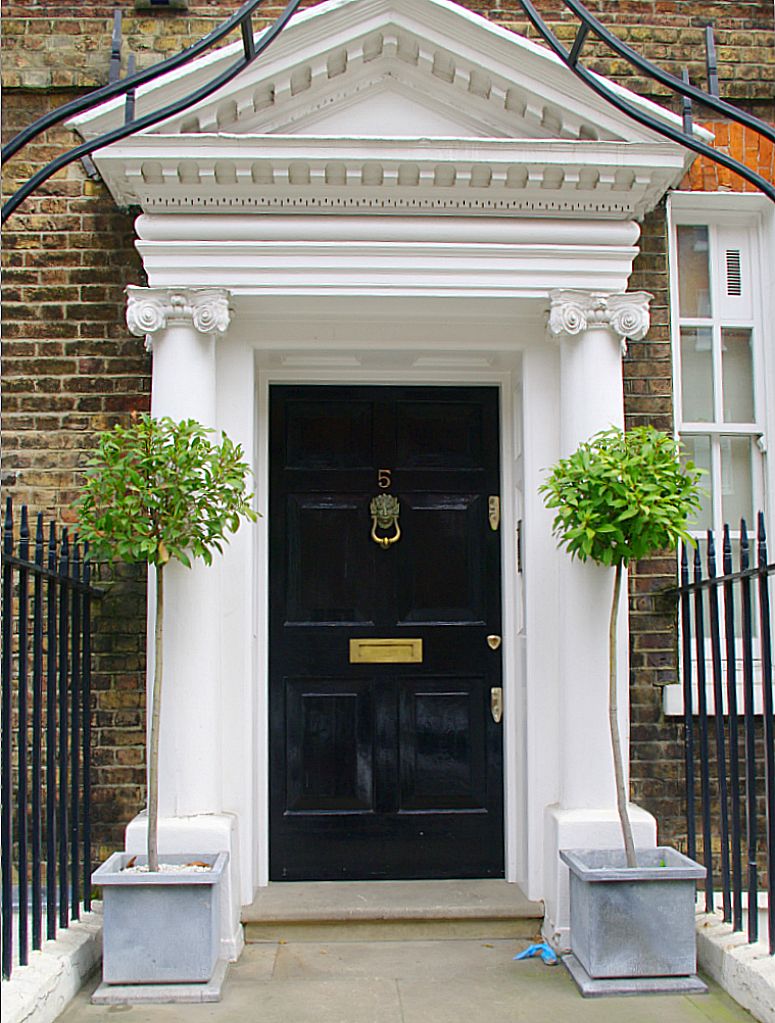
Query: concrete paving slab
446, 981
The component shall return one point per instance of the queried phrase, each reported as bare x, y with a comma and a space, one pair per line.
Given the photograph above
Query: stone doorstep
390, 911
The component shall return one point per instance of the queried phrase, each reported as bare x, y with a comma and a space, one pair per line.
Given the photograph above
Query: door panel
442, 750
328, 435
441, 578
329, 565
330, 746
451, 435
384, 770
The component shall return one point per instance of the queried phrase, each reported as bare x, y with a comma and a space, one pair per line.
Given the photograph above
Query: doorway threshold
390, 911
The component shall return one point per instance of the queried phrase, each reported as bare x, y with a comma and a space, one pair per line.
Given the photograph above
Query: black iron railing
46, 734
729, 735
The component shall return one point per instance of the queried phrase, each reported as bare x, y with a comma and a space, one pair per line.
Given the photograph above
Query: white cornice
447, 176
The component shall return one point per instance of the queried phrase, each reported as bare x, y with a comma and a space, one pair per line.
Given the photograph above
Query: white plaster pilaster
592, 329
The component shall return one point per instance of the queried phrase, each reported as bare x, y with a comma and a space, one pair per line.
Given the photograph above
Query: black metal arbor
253, 47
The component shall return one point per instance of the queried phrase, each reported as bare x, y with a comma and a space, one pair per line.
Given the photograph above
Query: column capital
150, 310
624, 313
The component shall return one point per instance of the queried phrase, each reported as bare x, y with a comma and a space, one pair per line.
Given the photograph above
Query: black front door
385, 752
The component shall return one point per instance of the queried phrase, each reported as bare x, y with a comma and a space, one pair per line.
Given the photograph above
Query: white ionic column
592, 330
181, 327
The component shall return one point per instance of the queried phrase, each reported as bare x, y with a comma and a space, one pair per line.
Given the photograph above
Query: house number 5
383, 478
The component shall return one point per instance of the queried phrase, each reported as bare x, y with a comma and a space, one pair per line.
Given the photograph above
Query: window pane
737, 362
697, 449
736, 565
693, 274
736, 481
697, 374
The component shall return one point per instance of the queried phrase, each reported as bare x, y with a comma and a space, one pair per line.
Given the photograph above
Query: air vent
734, 279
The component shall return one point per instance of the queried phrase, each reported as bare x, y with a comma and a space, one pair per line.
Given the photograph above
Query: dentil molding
626, 314
150, 310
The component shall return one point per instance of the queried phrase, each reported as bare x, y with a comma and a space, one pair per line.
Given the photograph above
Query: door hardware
493, 642
494, 512
384, 515
496, 704
385, 651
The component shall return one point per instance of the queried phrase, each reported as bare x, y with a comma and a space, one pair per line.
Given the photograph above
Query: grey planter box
160, 928
633, 922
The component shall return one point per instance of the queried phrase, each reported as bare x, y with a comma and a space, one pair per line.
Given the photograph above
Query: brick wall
657, 770
70, 367
742, 144
51, 48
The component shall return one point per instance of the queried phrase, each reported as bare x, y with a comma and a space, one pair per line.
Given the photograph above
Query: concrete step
390, 911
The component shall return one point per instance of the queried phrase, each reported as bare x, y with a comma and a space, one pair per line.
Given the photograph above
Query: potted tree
158, 490
618, 498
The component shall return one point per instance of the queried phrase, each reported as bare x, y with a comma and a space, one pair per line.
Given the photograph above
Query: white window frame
754, 215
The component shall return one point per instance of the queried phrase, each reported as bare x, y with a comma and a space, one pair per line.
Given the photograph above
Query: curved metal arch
251, 50
686, 138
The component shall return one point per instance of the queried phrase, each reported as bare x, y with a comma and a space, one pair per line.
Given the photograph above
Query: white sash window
721, 257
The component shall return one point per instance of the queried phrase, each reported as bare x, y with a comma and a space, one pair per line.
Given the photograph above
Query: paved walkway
445, 981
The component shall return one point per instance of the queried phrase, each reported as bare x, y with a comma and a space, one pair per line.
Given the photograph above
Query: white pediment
367, 82
394, 111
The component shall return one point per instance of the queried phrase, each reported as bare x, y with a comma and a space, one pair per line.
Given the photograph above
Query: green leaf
655, 496
158, 489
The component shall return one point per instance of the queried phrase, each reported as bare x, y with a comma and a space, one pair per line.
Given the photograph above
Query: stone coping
40, 991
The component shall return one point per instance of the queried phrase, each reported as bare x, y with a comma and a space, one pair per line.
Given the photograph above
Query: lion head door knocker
384, 516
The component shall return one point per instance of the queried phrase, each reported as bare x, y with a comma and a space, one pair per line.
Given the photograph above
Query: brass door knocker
384, 515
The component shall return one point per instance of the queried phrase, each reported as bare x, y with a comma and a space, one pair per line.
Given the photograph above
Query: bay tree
157, 491
618, 498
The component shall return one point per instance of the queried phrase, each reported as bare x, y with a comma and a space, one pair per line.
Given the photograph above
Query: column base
590, 828
203, 833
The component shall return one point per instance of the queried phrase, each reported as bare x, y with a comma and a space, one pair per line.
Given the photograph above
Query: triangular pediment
360, 73
447, 66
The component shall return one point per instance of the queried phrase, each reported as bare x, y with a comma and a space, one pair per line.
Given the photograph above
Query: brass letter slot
385, 651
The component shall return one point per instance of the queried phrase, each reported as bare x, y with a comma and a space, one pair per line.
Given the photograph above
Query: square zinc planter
633, 921
161, 928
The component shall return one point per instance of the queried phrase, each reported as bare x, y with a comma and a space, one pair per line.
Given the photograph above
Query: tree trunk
622, 793
153, 756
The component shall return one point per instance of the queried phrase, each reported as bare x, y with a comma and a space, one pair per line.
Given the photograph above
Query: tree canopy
621, 496
157, 489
